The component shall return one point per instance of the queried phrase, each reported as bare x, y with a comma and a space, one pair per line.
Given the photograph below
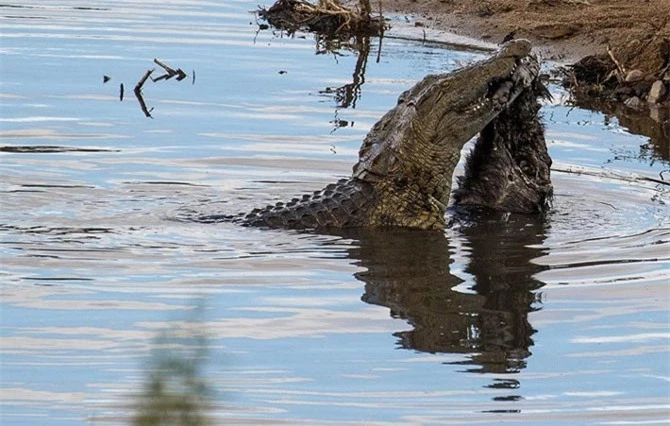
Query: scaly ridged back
341, 204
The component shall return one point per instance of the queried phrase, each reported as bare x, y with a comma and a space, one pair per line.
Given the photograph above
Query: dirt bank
638, 33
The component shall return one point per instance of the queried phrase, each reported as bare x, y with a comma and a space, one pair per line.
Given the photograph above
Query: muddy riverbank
620, 49
613, 55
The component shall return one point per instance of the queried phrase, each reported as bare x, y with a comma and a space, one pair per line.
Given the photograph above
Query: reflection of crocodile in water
410, 273
404, 173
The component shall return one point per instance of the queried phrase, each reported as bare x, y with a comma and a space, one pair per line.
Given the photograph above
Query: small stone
657, 113
633, 103
657, 92
634, 75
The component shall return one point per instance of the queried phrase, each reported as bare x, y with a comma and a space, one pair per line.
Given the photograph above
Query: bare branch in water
169, 73
138, 93
165, 67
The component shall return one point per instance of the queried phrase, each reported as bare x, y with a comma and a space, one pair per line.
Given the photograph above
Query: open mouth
502, 91
509, 167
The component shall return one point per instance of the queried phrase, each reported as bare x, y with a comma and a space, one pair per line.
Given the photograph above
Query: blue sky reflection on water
561, 322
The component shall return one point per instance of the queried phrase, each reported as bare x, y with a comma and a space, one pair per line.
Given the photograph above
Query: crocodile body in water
404, 173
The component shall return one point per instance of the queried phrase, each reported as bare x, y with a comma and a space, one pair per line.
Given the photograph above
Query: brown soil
569, 29
638, 31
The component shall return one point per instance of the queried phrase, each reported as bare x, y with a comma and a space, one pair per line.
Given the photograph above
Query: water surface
555, 321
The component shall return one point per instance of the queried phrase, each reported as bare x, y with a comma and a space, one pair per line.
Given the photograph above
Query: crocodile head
418, 142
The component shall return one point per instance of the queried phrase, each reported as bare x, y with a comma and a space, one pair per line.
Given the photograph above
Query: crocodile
403, 177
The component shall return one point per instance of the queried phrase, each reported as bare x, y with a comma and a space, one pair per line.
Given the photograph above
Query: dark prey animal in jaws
509, 168
404, 173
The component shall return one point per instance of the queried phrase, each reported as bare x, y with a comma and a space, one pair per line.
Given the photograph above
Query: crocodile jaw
411, 153
443, 112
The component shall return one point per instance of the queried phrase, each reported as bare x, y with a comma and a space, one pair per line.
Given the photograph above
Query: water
562, 321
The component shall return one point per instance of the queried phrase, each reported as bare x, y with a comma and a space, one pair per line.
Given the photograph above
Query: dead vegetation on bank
608, 77
325, 17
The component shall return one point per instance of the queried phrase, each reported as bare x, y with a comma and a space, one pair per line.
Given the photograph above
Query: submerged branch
610, 175
138, 93
169, 73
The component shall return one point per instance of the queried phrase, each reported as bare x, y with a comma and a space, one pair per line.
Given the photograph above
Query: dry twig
620, 68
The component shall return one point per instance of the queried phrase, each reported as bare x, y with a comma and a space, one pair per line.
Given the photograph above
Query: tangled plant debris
326, 17
607, 77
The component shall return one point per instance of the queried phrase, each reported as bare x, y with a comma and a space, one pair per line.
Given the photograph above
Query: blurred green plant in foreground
174, 392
